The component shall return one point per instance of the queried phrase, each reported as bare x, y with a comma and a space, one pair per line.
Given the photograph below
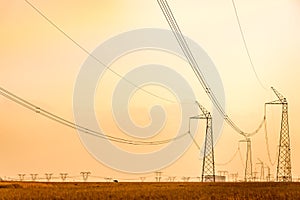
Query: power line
163, 4
241, 158
5, 93
94, 57
267, 143
177, 32
246, 46
237, 152
195, 142
181, 40
232, 157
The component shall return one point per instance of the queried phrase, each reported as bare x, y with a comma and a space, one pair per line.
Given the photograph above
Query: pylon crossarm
279, 96
276, 102
203, 110
199, 117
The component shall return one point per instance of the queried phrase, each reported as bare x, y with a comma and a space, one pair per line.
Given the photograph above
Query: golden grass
176, 190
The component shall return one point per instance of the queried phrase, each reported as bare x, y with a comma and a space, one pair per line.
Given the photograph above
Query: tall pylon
208, 165
248, 168
284, 169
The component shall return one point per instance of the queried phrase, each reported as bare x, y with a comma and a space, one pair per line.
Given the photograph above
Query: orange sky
40, 64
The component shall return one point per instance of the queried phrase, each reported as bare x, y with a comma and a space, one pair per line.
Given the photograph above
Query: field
176, 190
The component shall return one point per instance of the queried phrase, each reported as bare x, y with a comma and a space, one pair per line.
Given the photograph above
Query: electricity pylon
63, 176
208, 166
284, 169
33, 177
248, 167
85, 175
21, 176
158, 176
268, 177
142, 178
48, 176
262, 169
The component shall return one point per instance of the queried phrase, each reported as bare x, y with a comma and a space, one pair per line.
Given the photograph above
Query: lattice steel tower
208, 166
284, 169
248, 168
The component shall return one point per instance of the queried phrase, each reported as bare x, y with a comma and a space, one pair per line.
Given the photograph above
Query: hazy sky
41, 65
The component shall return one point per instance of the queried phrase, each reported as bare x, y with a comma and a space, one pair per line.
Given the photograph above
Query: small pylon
248, 168
142, 178
63, 176
33, 177
234, 177
21, 177
48, 176
85, 175
158, 176
262, 170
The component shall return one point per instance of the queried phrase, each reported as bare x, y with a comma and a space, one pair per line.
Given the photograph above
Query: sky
38, 63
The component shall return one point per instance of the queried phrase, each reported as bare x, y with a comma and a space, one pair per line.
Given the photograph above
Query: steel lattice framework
284, 169
208, 165
248, 168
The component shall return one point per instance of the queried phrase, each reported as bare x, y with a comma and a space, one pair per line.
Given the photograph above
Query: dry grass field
176, 190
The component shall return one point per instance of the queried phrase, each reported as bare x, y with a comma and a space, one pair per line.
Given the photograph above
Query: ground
167, 190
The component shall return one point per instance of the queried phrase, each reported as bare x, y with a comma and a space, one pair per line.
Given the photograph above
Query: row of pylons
283, 174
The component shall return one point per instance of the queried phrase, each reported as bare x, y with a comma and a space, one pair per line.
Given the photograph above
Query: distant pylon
248, 167
48, 176
284, 169
158, 176
262, 170
185, 178
223, 173
268, 177
63, 176
21, 177
171, 178
142, 178
33, 177
85, 175
234, 177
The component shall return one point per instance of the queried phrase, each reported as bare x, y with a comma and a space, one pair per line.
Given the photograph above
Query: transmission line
241, 158
267, 142
246, 46
94, 57
231, 159
183, 44
5, 93
163, 4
